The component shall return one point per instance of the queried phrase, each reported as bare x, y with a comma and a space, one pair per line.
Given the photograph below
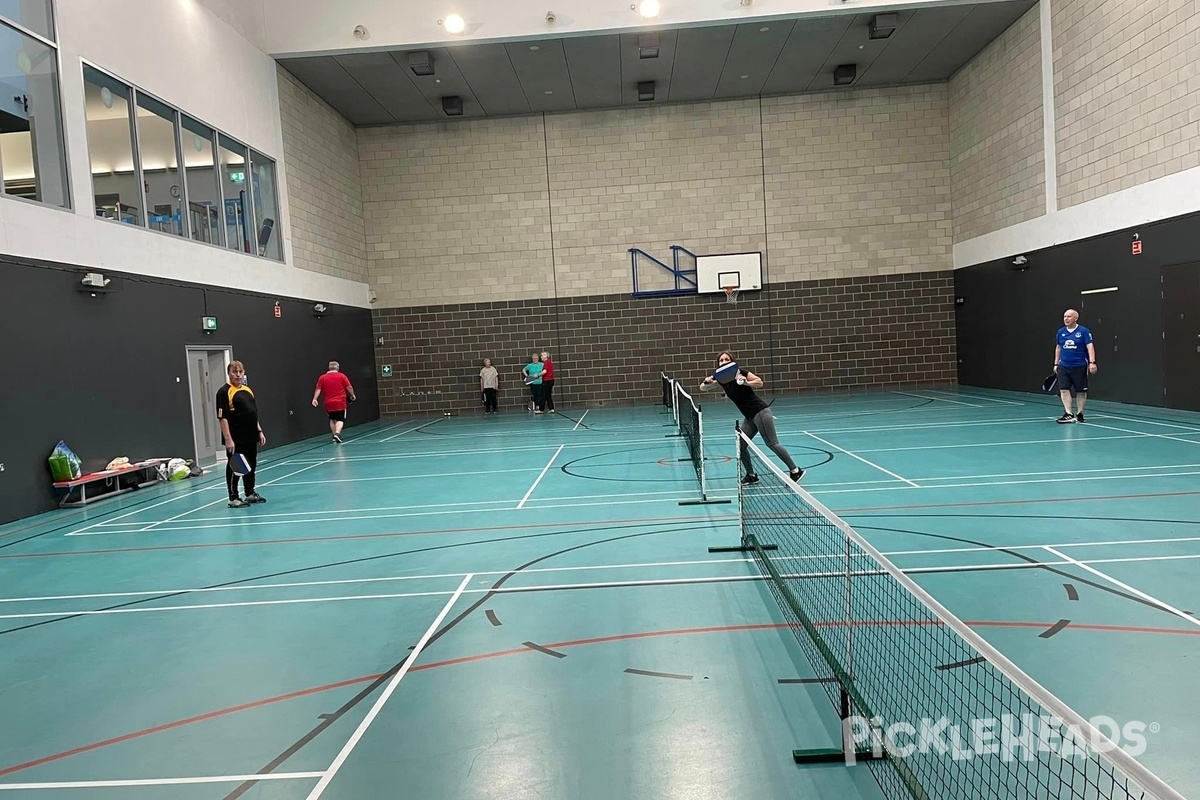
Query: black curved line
492, 618
361, 560
299, 744
545, 650
1072, 594
1055, 628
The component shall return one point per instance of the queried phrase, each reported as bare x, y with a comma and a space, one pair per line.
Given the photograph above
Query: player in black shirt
758, 416
237, 412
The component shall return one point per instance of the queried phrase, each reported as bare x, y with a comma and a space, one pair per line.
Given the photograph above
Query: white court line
863, 460
429, 475
927, 425
580, 421
1059, 440
224, 500
1010, 483
1143, 433
1192, 429
1123, 585
1065, 561
540, 476
332, 771
976, 397
939, 399
489, 451
410, 430
266, 776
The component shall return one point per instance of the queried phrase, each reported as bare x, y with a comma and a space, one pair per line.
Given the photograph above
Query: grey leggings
764, 421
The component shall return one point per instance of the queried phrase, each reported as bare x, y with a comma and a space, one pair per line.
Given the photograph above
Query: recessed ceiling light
455, 24
745, 76
534, 47
548, 91
764, 29
649, 8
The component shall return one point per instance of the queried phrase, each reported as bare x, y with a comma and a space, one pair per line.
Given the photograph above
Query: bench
106, 483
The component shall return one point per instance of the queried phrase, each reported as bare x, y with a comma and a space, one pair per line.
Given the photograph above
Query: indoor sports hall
661, 399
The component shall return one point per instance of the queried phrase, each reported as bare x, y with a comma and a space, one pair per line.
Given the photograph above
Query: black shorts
337, 416
1072, 378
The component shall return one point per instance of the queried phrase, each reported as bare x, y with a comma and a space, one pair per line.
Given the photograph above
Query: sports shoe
1079, 417
237, 502
255, 497
337, 438
750, 478
1065, 418
797, 475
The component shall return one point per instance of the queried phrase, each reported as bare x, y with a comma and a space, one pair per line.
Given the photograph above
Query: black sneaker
1079, 417
749, 479
1065, 418
255, 498
797, 475
337, 438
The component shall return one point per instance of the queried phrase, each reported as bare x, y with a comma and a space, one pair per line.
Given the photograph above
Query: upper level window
32, 154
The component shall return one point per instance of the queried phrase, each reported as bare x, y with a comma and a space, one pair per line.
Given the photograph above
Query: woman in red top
548, 382
336, 388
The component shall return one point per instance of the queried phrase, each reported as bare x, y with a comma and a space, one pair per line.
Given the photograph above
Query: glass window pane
203, 200
160, 165
266, 206
31, 141
32, 15
110, 145
238, 225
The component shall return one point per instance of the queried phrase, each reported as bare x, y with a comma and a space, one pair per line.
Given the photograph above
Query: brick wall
856, 184
997, 153
881, 330
320, 151
1127, 93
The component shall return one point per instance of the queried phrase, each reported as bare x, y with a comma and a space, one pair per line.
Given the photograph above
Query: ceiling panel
635, 69
982, 25
334, 85
446, 81
855, 47
805, 53
387, 83
542, 68
756, 48
594, 63
700, 55
489, 72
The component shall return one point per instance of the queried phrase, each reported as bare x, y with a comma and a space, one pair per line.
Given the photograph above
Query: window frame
68, 197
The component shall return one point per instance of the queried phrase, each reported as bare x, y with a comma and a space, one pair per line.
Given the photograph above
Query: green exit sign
386, 370
209, 323
237, 177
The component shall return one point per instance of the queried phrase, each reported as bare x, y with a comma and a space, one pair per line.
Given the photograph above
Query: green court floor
574, 637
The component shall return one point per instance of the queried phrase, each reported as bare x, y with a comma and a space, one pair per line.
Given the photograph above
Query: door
1099, 312
1181, 336
206, 374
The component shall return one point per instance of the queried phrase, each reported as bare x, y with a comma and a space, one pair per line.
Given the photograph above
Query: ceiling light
649, 9
883, 25
455, 24
106, 97
764, 29
548, 91
745, 76
534, 47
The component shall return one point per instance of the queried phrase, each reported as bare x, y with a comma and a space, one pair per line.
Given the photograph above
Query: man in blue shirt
1074, 360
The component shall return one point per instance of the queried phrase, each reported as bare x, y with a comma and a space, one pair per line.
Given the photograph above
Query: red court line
621, 637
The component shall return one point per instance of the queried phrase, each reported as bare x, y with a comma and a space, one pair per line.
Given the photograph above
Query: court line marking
1153, 435
939, 399
1084, 479
997, 444
545, 469
976, 397
273, 776
580, 420
1122, 585
863, 460
613, 443
1103, 415
594, 567
151, 525
648, 582
926, 425
410, 430
333, 768
435, 475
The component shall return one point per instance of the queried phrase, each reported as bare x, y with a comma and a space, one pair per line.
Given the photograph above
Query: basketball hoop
731, 293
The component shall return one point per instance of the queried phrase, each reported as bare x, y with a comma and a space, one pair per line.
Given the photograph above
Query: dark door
1181, 336
1100, 313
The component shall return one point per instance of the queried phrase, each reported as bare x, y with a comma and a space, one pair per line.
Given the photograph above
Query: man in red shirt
336, 388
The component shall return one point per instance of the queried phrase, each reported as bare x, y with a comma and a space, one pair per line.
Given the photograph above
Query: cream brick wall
1127, 93
650, 178
858, 183
320, 150
997, 153
457, 212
